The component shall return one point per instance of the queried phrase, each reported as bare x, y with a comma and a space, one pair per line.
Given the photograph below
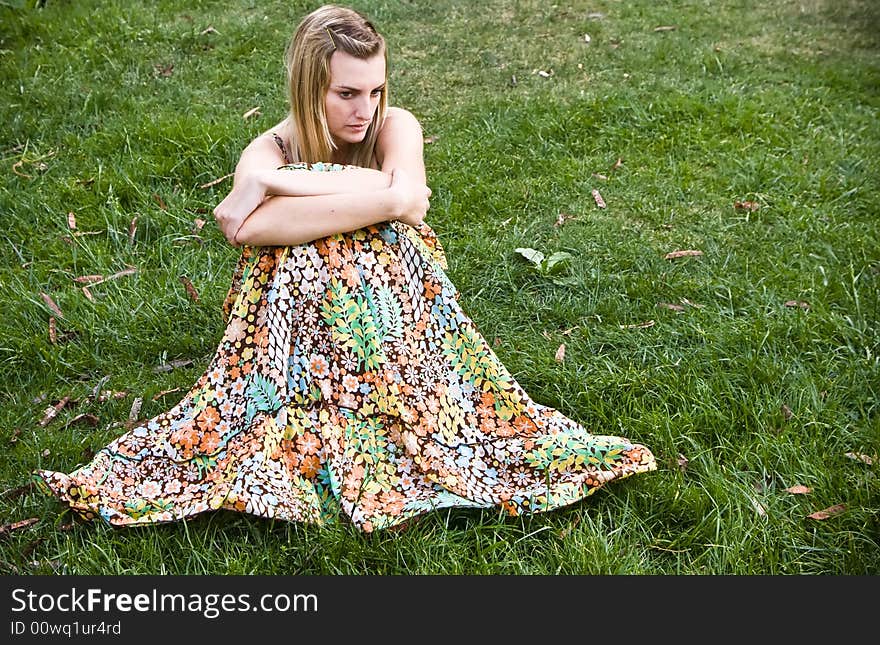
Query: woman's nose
364, 109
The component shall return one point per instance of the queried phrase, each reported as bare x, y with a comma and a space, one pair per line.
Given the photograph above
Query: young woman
349, 384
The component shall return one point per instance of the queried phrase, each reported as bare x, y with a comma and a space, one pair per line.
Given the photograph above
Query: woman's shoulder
398, 123
399, 114
400, 142
279, 135
281, 129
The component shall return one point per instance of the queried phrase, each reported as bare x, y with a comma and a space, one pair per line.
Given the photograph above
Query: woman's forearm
286, 221
353, 179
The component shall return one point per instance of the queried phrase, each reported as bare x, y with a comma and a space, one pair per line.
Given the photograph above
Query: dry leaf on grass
670, 306
786, 412
135, 408
159, 395
52, 411
560, 353
158, 199
132, 229
746, 205
20, 174
598, 198
828, 512
562, 218
54, 338
682, 462
87, 418
118, 274
798, 489
190, 289
857, 456
759, 509
51, 304
106, 395
177, 363
88, 294
198, 224
89, 278
797, 303
251, 112
683, 253
641, 325
431, 139
71, 221
40, 165
8, 528
665, 28
216, 181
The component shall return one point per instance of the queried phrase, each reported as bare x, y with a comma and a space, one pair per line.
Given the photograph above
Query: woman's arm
294, 182
284, 220
257, 177
401, 145
321, 203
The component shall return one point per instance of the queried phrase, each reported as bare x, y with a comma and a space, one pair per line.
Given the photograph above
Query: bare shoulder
265, 144
263, 152
400, 127
400, 144
282, 129
400, 117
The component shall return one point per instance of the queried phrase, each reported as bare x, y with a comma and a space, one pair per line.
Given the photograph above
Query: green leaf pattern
353, 324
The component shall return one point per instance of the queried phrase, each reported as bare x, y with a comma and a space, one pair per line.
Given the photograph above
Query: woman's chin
350, 135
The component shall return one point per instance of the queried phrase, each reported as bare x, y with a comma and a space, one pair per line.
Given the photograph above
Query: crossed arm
267, 206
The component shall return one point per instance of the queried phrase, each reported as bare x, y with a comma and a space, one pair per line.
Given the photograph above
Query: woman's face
356, 85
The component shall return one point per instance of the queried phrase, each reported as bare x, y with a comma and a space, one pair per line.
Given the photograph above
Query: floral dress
350, 386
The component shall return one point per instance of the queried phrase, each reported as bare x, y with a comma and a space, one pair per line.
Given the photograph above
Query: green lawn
749, 131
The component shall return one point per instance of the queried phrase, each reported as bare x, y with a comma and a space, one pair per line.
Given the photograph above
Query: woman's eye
345, 95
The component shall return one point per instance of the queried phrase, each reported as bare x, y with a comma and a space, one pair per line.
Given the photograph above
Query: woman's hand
411, 197
235, 208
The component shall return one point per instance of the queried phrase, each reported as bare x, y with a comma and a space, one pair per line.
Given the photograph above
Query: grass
740, 397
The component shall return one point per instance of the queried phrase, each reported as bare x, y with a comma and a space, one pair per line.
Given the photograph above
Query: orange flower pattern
348, 385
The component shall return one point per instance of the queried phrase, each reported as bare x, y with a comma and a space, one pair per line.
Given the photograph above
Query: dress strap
281, 145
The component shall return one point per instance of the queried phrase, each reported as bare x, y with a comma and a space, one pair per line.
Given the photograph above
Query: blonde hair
327, 29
